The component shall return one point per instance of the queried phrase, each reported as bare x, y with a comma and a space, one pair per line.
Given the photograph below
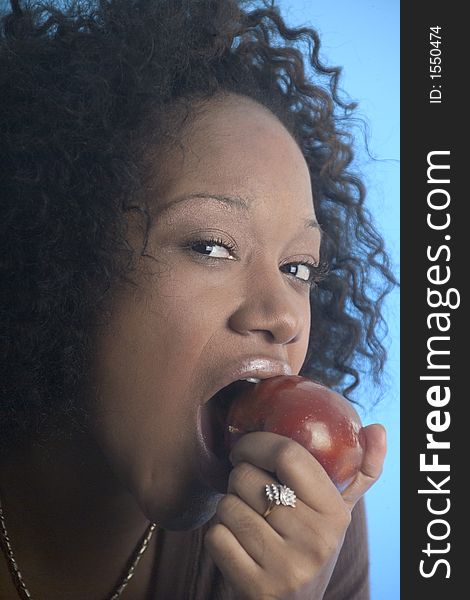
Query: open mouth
214, 416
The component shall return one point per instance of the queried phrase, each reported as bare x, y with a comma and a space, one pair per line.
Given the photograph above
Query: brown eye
213, 249
307, 272
302, 271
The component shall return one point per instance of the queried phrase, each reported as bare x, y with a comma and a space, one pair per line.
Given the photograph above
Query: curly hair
89, 90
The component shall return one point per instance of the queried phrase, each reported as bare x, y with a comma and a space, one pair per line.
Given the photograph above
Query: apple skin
318, 418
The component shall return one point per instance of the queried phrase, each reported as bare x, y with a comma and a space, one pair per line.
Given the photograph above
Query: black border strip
433, 122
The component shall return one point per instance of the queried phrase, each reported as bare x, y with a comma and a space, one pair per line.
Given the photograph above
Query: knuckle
287, 453
227, 505
258, 592
242, 475
339, 514
246, 527
342, 516
267, 588
325, 539
231, 513
326, 546
298, 576
345, 517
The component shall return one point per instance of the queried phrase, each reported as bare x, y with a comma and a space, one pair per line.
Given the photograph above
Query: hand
289, 555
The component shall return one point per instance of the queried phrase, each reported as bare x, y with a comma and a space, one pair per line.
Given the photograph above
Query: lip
214, 470
261, 367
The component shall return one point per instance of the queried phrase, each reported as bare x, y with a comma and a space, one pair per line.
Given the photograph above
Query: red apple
316, 417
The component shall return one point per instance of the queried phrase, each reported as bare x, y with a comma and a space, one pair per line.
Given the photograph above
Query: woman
177, 214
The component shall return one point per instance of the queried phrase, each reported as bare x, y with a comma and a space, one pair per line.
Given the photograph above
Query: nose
271, 307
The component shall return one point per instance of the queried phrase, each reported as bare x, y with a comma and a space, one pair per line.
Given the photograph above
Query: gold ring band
269, 510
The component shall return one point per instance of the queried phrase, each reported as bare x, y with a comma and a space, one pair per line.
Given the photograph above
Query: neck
68, 515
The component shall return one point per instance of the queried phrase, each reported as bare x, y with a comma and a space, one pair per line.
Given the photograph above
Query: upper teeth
252, 379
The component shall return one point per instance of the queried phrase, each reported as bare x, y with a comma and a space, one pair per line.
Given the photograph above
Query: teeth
252, 379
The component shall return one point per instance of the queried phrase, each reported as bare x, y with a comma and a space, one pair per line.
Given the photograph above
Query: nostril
278, 321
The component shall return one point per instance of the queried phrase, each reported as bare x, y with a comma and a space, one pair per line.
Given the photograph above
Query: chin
191, 512
194, 517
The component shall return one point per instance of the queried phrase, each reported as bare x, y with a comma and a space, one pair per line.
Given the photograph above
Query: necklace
23, 591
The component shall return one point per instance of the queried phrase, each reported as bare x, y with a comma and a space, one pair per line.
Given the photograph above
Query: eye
300, 270
213, 248
307, 272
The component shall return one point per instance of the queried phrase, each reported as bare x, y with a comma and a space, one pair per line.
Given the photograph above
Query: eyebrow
227, 201
237, 202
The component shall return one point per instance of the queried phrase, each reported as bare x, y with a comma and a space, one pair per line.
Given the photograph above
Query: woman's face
222, 296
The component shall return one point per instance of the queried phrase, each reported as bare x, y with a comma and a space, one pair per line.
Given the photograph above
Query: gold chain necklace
23, 591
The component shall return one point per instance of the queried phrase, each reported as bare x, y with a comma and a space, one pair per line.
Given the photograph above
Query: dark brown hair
87, 89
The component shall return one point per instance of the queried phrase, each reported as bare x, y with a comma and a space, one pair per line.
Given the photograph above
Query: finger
251, 530
292, 465
374, 440
229, 556
248, 483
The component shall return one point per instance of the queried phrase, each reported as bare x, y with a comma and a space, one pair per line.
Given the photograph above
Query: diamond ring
278, 494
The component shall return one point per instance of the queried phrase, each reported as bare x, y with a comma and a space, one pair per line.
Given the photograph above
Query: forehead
235, 145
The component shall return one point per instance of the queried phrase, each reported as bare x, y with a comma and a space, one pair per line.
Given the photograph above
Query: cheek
146, 359
145, 411
298, 351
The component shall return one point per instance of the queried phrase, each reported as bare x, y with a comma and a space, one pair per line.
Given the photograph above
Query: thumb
374, 442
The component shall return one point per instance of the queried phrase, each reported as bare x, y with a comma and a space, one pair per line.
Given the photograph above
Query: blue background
363, 38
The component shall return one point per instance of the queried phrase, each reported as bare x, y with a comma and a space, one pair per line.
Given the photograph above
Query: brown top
184, 570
